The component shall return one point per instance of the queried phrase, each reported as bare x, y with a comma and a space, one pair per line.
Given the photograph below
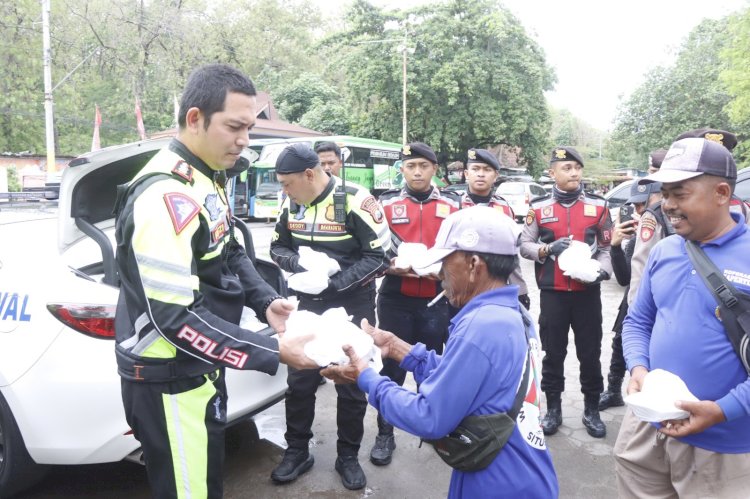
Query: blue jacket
479, 373
671, 325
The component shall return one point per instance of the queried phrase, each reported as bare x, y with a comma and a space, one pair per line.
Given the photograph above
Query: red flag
139, 120
95, 144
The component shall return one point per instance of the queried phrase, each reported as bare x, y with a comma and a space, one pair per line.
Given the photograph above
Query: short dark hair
207, 88
499, 266
328, 147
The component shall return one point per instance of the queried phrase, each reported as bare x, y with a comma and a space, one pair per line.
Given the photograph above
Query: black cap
689, 158
656, 157
727, 139
418, 150
296, 158
483, 156
565, 153
639, 193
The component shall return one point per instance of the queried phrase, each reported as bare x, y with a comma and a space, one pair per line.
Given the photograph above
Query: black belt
150, 371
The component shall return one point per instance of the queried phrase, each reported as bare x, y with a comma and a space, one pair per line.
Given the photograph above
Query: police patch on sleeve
648, 226
182, 209
371, 206
530, 216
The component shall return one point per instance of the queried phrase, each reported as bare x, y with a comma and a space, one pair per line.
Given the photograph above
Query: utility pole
48, 103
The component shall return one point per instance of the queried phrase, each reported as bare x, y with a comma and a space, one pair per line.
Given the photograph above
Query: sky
601, 49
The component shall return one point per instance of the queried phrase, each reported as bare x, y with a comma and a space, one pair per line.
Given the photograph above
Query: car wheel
17, 470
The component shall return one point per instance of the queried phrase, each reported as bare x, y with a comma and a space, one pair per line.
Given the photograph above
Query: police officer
623, 241
329, 154
347, 224
185, 280
482, 170
414, 214
565, 302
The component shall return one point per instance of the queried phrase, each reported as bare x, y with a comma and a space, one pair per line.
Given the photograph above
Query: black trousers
581, 310
411, 320
617, 366
351, 402
180, 426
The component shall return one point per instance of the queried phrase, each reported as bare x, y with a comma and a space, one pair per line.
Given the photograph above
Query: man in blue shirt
482, 367
672, 325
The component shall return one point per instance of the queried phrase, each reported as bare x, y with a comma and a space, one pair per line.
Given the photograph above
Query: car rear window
510, 188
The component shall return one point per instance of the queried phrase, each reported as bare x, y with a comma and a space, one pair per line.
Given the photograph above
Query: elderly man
483, 363
673, 325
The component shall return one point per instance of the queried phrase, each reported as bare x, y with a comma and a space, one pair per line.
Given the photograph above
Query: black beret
418, 150
565, 153
296, 158
656, 157
483, 156
727, 139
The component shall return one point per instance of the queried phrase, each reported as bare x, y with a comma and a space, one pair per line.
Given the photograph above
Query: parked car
60, 400
742, 187
458, 188
617, 196
519, 195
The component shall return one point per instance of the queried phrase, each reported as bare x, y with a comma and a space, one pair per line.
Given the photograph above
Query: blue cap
296, 158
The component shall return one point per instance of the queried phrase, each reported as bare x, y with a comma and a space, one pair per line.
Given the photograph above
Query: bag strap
521, 393
726, 295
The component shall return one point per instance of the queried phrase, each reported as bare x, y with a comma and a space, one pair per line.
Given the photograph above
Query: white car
519, 195
60, 400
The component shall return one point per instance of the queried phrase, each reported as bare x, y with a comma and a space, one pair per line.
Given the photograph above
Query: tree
297, 97
736, 57
475, 79
689, 94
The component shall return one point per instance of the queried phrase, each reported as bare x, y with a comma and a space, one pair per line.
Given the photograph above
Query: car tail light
97, 321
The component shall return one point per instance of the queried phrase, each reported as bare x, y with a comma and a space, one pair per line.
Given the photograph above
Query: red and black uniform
402, 301
565, 302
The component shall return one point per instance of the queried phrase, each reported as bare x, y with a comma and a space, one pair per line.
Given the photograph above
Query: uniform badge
398, 210
530, 216
330, 213
442, 210
648, 226
182, 209
212, 206
547, 212
371, 206
715, 137
472, 154
560, 153
406, 151
183, 170
589, 210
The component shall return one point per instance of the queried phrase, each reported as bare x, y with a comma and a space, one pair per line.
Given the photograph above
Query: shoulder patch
184, 171
182, 209
371, 206
530, 216
647, 228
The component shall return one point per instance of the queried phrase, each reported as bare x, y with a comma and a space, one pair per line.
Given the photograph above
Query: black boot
382, 451
553, 418
295, 463
352, 475
591, 420
612, 397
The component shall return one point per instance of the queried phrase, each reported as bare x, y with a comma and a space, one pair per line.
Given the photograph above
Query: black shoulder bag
734, 305
477, 440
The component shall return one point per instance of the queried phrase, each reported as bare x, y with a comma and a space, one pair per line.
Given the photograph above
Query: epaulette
351, 190
540, 198
597, 199
452, 194
183, 172
592, 195
389, 193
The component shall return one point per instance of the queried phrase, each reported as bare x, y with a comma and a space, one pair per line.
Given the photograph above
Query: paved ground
584, 465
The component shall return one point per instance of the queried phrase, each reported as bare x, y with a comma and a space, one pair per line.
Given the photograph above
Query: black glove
525, 301
557, 247
603, 276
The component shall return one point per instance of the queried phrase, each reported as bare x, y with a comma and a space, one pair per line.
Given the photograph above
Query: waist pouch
477, 440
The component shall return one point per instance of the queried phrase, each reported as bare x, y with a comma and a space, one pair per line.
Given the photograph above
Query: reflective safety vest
184, 279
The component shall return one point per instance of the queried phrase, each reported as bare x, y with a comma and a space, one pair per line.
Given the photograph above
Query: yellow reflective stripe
159, 348
215, 253
319, 237
185, 415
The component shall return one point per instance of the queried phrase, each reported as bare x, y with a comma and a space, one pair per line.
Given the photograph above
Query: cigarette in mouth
436, 299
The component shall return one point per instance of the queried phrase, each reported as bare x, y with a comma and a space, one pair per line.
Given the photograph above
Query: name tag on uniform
442, 210
548, 215
398, 212
589, 210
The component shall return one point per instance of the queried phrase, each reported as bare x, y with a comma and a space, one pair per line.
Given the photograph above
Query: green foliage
475, 79
14, 185
735, 76
687, 95
297, 97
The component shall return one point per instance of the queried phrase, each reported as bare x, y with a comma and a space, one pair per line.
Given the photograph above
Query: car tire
17, 470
